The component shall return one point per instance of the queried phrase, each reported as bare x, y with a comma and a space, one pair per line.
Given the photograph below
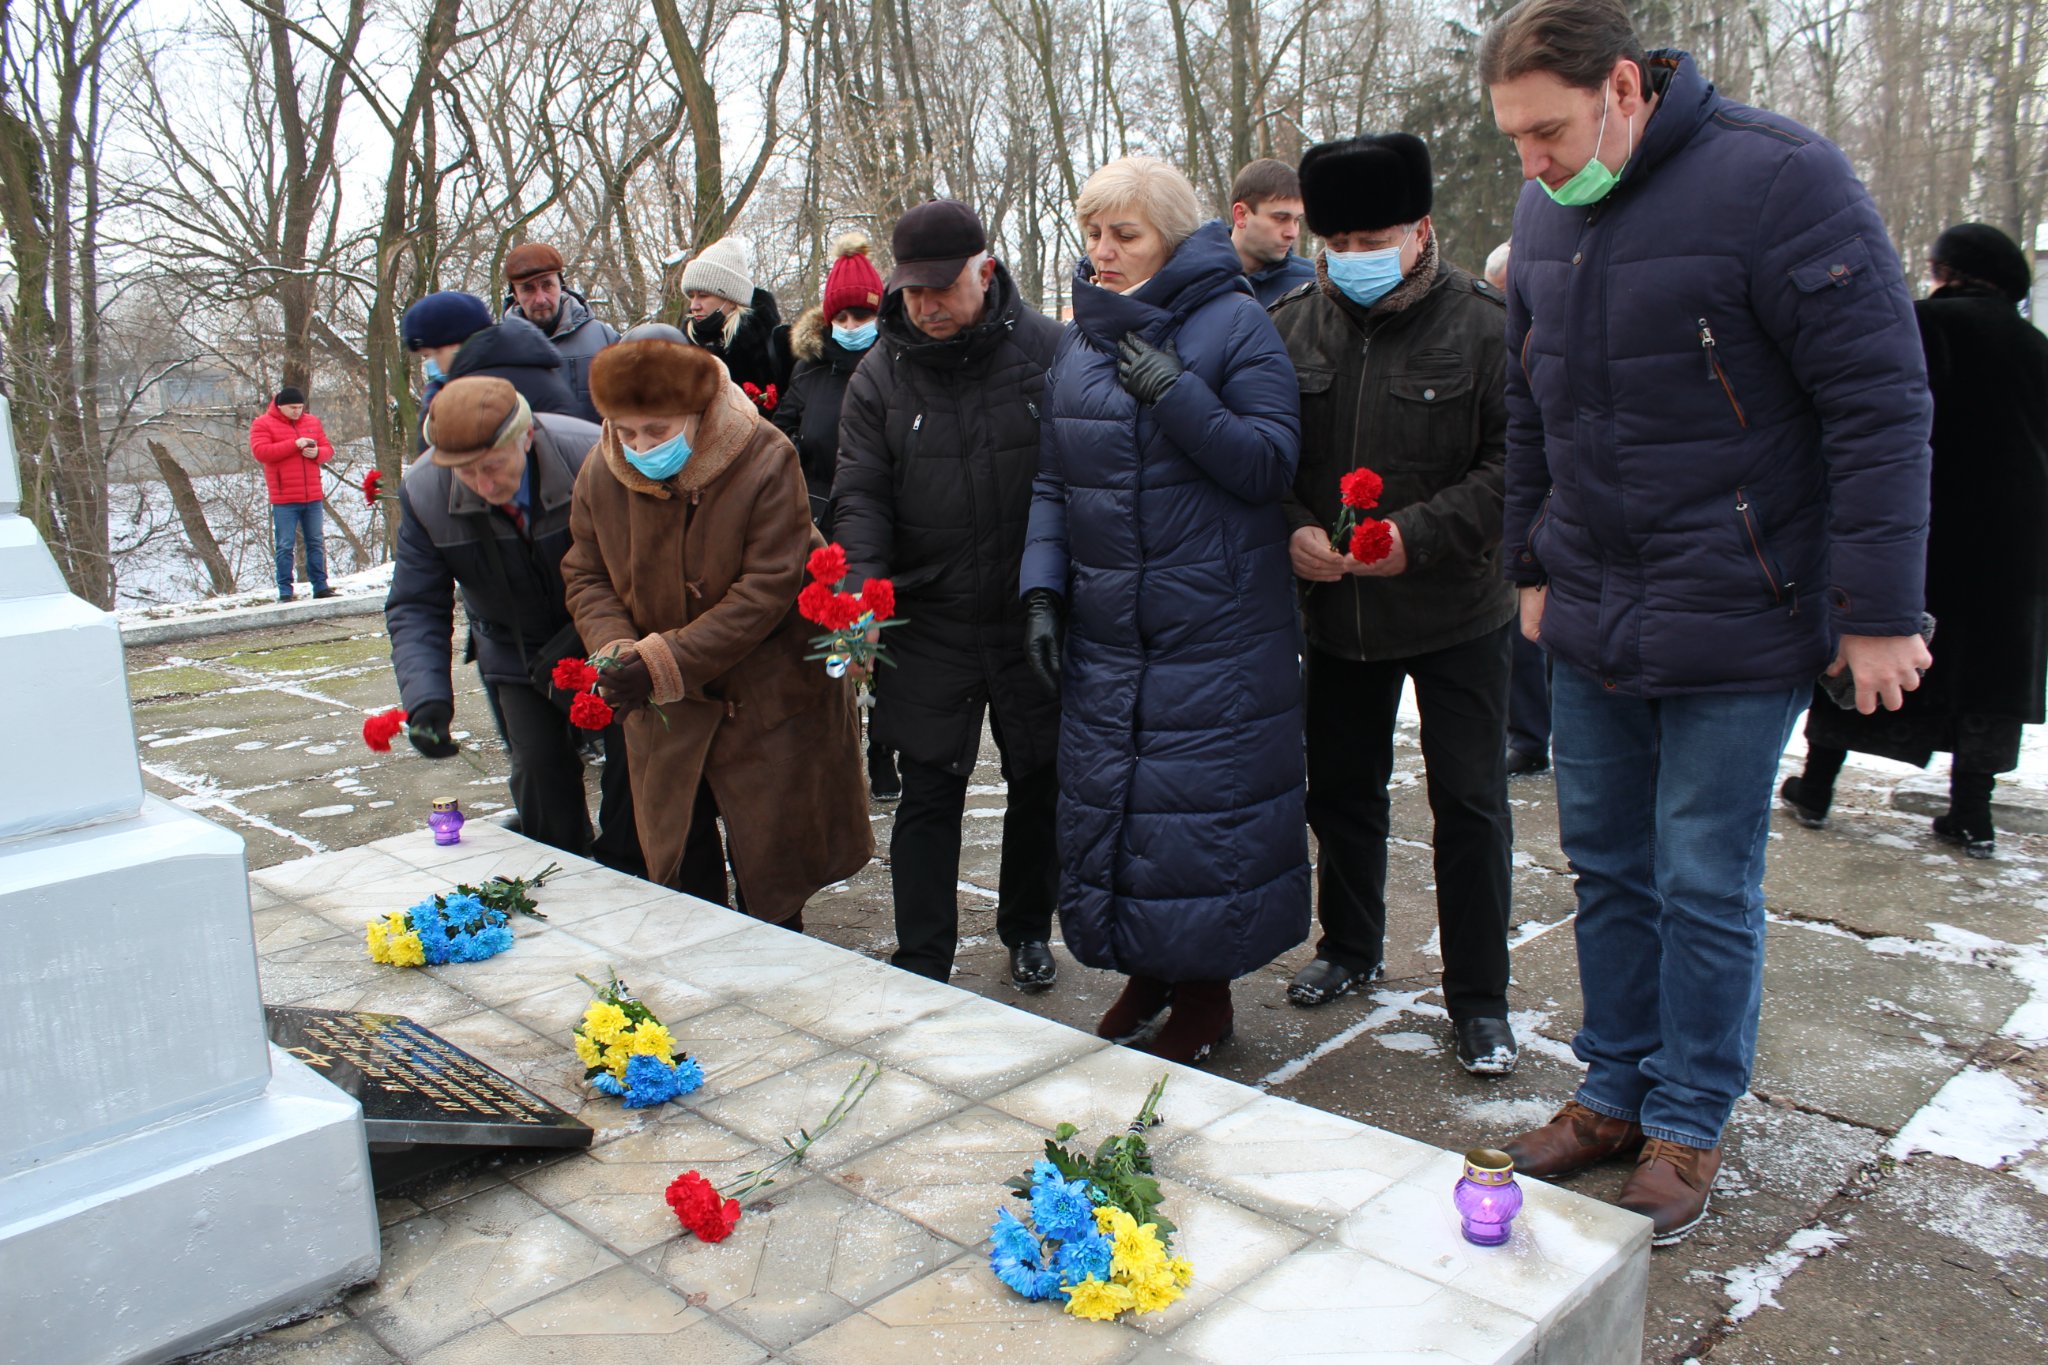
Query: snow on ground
1983, 1117
1756, 1286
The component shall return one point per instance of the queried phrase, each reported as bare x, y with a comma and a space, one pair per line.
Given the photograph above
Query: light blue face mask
434, 375
664, 461
855, 338
1366, 277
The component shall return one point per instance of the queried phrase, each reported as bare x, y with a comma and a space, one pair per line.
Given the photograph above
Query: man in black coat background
938, 444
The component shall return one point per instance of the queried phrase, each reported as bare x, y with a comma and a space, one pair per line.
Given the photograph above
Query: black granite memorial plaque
421, 1095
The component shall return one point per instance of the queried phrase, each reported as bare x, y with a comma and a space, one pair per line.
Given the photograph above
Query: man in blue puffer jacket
1716, 489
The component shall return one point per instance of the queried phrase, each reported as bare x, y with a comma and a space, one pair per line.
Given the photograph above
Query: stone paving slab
1303, 1226
1874, 876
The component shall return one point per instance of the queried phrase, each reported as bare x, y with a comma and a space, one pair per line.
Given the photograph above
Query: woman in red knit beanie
828, 342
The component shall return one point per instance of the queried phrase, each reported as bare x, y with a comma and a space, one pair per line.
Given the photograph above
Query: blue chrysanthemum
1043, 1170
689, 1075
1081, 1258
1062, 1209
608, 1083
1013, 1239
1018, 1261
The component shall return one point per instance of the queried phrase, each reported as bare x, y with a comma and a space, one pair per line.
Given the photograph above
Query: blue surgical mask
664, 461
855, 338
1366, 277
434, 375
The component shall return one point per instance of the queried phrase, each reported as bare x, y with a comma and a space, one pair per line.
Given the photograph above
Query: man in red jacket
291, 446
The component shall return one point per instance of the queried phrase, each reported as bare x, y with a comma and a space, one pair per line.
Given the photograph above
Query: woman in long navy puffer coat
1157, 541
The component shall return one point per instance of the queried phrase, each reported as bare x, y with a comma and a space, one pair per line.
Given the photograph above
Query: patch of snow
1983, 1117
1751, 1287
2029, 1022
204, 732
323, 812
251, 745
1508, 1116
1529, 1025
1408, 1042
1387, 1007
322, 749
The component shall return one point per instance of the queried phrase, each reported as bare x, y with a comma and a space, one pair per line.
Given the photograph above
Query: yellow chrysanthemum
651, 1040
1136, 1250
586, 1052
1111, 1220
406, 950
604, 1021
1153, 1290
1098, 1300
1182, 1270
398, 921
376, 934
615, 1059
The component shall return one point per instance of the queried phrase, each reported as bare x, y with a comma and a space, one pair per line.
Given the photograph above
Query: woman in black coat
735, 320
1987, 555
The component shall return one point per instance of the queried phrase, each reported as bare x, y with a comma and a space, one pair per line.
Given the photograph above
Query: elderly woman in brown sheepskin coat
691, 531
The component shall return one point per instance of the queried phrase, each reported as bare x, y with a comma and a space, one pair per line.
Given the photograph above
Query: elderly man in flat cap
1399, 356
487, 513
534, 291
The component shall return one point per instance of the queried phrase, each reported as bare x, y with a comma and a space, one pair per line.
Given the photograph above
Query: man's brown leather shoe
1575, 1139
1670, 1188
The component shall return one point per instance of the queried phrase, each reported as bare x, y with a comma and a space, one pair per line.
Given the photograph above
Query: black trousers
547, 780
1529, 697
1463, 694
924, 863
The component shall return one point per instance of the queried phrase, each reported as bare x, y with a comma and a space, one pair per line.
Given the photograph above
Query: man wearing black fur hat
1399, 356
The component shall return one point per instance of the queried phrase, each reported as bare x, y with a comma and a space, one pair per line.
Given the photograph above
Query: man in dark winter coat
938, 444
534, 291
1399, 358
488, 513
1265, 223
1716, 484
454, 336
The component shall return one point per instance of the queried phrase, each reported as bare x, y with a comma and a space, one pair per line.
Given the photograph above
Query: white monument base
192, 1233
168, 1180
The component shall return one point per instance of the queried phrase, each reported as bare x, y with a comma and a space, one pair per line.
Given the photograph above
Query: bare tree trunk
192, 516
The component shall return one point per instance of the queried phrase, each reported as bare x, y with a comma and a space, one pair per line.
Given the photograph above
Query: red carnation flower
1371, 542
769, 399
1361, 489
590, 712
828, 564
878, 595
379, 730
844, 610
574, 675
698, 1207
370, 482
814, 604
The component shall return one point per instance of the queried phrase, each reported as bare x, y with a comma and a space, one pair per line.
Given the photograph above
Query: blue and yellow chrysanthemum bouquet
467, 924
1096, 1236
627, 1052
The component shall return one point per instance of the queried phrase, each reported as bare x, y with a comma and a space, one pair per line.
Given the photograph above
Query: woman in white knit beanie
733, 318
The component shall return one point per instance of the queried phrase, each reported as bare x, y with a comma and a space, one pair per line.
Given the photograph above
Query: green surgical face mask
1594, 181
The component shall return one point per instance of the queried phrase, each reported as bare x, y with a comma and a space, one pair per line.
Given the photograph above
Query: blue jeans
1664, 808
289, 519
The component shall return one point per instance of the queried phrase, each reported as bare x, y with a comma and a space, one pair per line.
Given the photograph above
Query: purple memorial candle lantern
1487, 1197
446, 820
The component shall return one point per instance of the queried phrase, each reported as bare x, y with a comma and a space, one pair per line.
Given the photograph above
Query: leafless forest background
204, 200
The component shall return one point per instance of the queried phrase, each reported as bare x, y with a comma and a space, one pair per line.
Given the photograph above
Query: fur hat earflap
654, 378
1365, 183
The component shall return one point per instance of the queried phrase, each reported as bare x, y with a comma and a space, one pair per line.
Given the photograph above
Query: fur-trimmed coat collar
723, 432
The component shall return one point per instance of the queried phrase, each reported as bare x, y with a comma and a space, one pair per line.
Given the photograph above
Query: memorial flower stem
856, 1090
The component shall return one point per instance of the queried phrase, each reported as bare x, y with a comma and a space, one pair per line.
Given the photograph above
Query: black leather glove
427, 725
1043, 611
627, 684
1146, 371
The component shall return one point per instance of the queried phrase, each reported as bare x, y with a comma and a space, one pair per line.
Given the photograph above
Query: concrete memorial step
1313, 1237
